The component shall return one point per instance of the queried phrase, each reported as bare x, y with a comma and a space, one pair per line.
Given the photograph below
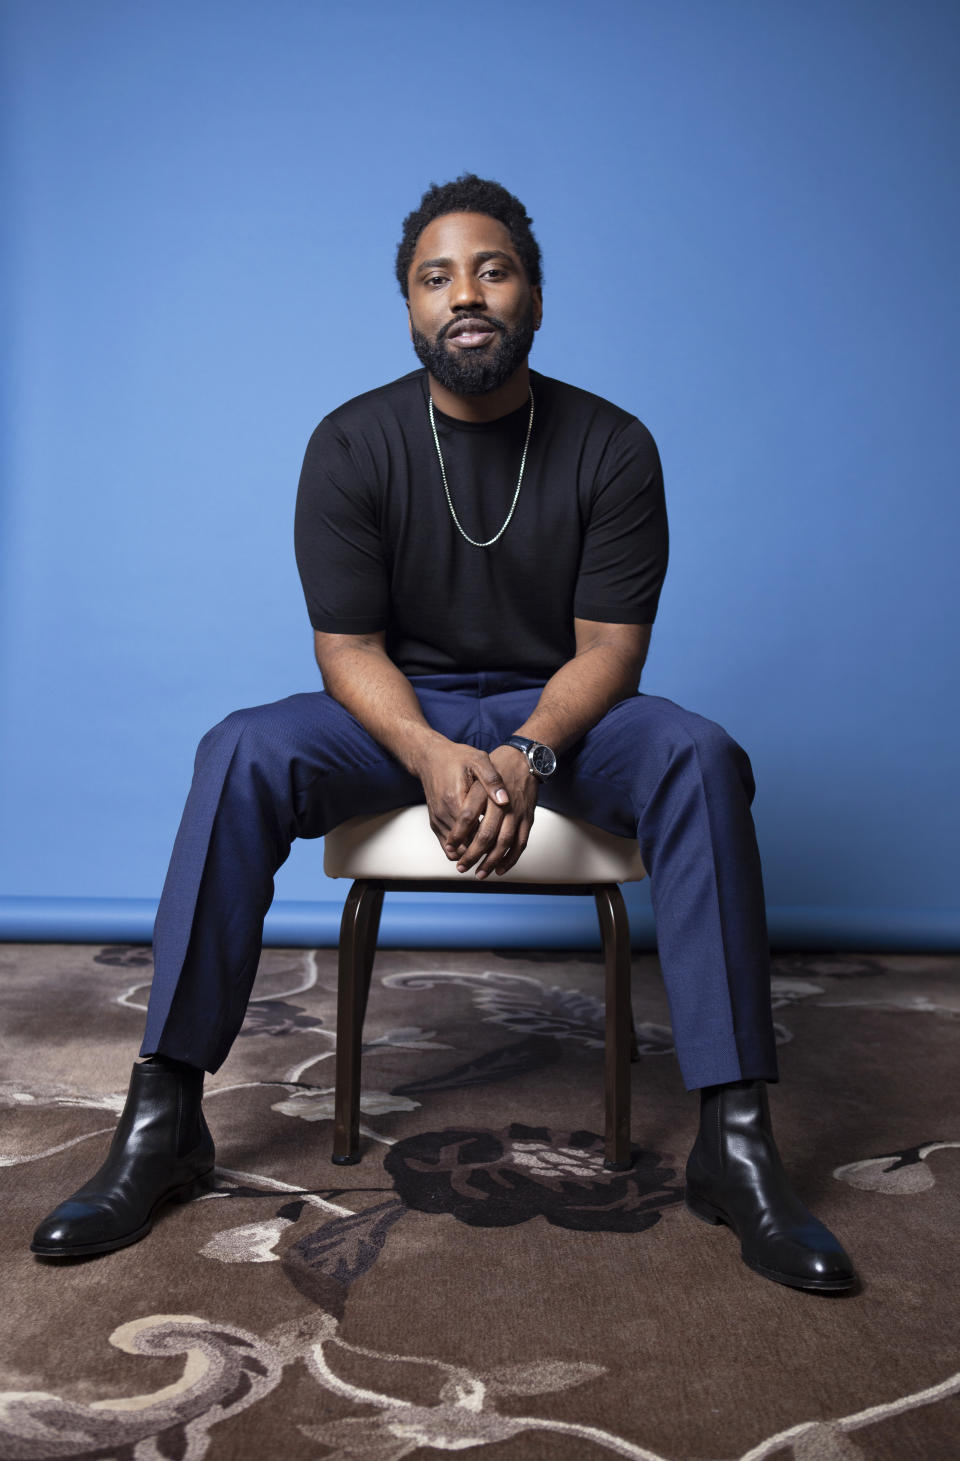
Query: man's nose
467, 291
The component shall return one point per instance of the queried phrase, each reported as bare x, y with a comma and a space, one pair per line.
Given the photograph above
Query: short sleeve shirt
378, 548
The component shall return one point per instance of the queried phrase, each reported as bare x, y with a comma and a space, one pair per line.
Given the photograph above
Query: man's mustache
488, 320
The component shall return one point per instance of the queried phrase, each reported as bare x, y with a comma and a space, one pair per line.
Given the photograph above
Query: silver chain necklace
443, 473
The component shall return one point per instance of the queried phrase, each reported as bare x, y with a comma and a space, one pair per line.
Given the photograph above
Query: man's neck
506, 398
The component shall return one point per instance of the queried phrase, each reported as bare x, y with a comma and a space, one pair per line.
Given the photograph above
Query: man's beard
476, 372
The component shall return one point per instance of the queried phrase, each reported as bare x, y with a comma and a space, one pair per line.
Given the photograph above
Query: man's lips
470, 333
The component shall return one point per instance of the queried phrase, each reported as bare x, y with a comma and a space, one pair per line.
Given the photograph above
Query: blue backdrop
749, 218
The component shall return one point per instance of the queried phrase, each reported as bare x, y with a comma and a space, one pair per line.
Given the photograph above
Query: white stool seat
400, 844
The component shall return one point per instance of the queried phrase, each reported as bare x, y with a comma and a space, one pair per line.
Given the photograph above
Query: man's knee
688, 739
260, 735
717, 753
713, 744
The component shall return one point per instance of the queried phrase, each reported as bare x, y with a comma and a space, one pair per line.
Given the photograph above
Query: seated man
482, 550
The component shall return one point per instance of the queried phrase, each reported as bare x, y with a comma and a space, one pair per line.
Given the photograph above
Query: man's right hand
359, 674
447, 772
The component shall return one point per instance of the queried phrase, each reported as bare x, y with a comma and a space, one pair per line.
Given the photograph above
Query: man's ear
409, 320
537, 293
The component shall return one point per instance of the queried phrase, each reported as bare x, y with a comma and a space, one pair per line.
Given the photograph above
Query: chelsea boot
162, 1151
735, 1176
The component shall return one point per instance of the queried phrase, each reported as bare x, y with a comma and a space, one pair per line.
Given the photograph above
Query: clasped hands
481, 806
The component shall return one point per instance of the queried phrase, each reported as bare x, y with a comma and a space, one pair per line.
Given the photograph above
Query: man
482, 550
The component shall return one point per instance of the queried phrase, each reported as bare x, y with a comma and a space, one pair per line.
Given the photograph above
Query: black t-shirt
377, 548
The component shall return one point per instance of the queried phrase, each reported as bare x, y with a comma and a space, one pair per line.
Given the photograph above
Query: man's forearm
579, 695
367, 683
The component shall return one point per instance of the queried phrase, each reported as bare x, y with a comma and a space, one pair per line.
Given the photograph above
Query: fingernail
460, 868
500, 796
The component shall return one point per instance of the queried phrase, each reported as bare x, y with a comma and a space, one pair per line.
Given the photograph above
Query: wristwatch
540, 758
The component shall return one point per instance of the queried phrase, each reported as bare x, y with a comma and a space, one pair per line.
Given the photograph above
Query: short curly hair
470, 194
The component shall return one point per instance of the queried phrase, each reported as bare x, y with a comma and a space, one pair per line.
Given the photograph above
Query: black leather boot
162, 1151
735, 1176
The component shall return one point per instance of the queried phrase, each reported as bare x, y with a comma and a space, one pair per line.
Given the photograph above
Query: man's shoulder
579, 404
390, 400
585, 410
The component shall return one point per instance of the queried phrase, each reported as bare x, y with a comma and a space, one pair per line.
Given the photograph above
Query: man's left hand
495, 843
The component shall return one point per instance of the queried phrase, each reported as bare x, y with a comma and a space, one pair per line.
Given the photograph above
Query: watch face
544, 761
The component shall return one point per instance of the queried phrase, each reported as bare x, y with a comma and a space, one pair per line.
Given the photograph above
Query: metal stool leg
615, 933
358, 942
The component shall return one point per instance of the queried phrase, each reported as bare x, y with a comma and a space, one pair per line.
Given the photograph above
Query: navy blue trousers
299, 766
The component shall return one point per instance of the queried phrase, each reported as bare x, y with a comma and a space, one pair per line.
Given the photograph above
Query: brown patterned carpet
479, 1284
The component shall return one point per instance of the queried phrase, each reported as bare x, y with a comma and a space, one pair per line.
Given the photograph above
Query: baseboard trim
467, 921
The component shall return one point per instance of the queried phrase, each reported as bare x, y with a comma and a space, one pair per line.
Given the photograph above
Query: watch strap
528, 746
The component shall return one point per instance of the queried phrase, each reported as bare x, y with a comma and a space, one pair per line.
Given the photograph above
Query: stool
397, 852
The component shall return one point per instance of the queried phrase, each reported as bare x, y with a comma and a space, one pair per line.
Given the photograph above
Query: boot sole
707, 1213
196, 1187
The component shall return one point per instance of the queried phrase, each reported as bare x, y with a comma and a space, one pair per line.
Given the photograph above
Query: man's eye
435, 279
494, 273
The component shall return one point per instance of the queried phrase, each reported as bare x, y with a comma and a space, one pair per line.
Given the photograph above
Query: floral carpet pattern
480, 1283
